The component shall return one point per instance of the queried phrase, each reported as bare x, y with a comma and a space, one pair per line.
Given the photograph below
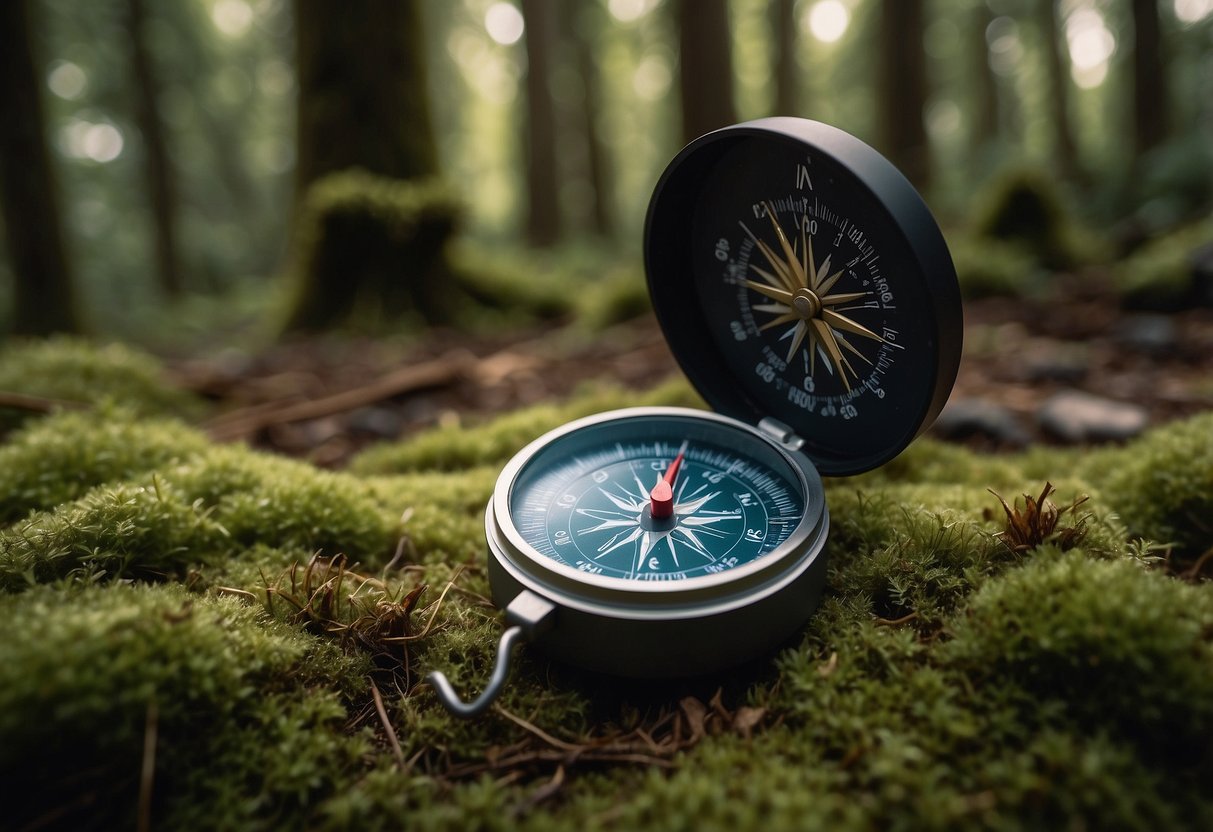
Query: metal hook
466, 710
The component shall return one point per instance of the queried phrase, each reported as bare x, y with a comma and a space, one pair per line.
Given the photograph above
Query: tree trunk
542, 177
42, 297
581, 29
158, 171
985, 86
705, 66
1057, 70
902, 89
362, 90
1150, 95
786, 70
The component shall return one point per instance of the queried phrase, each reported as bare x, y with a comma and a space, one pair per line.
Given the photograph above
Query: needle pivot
661, 498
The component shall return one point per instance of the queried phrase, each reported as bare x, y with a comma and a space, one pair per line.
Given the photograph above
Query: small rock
383, 422
1148, 333
1064, 368
1075, 416
968, 418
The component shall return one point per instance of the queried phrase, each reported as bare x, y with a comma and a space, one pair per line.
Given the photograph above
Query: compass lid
798, 276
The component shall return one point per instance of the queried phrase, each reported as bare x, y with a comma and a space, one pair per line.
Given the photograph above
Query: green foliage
59, 458
992, 268
1159, 275
372, 248
1025, 208
1117, 648
1162, 484
455, 447
75, 370
85, 673
113, 532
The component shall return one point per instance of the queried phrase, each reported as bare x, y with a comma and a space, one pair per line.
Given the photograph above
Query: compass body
809, 297
735, 568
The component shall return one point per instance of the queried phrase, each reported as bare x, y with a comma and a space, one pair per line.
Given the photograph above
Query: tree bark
42, 298
902, 89
1057, 70
1150, 94
581, 28
542, 176
362, 100
158, 171
786, 69
705, 66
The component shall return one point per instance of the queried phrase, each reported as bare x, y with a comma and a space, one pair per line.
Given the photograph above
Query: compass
808, 295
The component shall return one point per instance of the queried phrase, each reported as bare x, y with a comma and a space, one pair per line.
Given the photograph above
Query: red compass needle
661, 498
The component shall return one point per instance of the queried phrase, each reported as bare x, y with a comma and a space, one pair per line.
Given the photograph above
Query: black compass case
853, 198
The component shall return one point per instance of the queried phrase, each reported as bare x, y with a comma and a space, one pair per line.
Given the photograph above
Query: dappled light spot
67, 80
828, 20
504, 23
232, 17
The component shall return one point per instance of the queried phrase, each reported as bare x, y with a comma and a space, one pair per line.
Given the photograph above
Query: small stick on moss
37, 404
387, 725
1193, 572
148, 771
537, 731
893, 622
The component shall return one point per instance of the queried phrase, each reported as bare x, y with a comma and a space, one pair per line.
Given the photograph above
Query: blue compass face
592, 500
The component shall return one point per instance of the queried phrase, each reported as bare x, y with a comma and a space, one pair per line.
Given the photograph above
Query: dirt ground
325, 399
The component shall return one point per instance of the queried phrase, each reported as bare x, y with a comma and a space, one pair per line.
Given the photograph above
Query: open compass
808, 295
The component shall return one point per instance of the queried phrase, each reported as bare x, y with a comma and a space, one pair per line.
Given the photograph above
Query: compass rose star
800, 289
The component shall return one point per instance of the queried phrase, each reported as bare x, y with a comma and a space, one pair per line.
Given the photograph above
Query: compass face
585, 500
805, 271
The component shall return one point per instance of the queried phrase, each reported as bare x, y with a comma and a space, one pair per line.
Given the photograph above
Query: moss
1162, 484
75, 370
1160, 274
113, 532
455, 447
264, 499
371, 248
1121, 650
614, 299
1026, 208
79, 671
59, 458
993, 268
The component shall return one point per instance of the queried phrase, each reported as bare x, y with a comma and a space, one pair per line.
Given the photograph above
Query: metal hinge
781, 433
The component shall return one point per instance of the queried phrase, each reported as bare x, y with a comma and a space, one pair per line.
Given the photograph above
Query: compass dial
798, 259
593, 511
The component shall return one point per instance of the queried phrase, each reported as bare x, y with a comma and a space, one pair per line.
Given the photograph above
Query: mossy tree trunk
542, 178
42, 297
785, 70
1057, 71
158, 171
370, 223
1151, 118
901, 88
705, 66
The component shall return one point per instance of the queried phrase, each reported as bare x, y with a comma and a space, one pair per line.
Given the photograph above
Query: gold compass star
800, 287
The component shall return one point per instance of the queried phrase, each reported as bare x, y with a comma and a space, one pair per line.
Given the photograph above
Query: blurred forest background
205, 172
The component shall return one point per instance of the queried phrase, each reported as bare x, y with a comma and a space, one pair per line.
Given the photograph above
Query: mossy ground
176, 639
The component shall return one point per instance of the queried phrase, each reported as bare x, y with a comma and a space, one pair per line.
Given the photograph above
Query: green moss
59, 458
1162, 484
1119, 649
113, 532
74, 370
993, 268
457, 446
1026, 208
1159, 275
279, 502
79, 671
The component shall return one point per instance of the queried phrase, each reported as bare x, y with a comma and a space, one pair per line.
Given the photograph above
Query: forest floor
325, 399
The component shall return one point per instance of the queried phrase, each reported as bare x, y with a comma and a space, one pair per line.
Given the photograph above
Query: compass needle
792, 262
